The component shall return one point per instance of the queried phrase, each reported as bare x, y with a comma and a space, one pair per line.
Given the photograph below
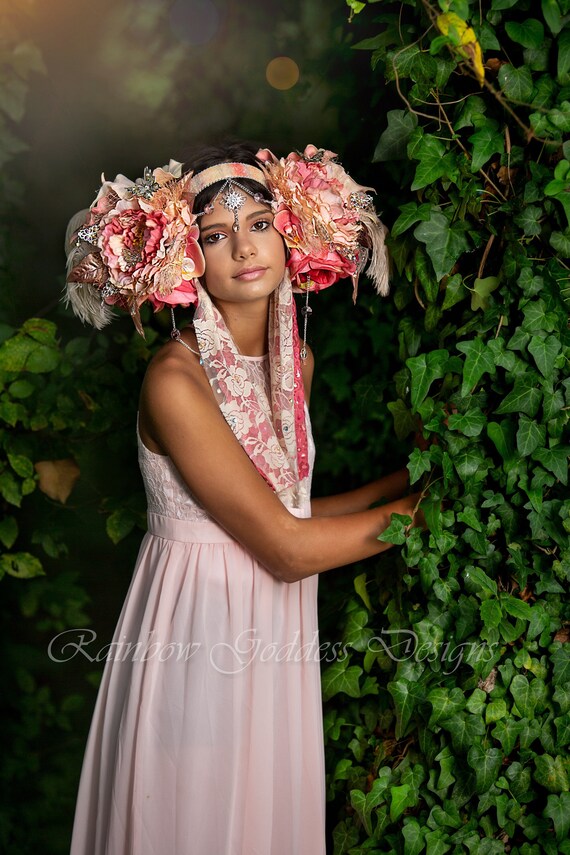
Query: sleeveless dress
207, 736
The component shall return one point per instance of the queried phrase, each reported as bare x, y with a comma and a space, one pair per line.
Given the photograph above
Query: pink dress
206, 737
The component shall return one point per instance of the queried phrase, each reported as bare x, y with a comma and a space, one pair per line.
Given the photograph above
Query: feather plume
83, 296
379, 268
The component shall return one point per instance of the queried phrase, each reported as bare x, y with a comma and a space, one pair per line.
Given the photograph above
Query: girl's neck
248, 325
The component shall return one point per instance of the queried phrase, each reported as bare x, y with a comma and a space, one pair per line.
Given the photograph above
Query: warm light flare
282, 72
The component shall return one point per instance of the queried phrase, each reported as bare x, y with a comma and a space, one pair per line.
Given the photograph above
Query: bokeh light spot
282, 72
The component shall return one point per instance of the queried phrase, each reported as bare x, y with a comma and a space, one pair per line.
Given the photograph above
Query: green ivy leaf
561, 661
401, 799
120, 523
404, 422
445, 703
527, 695
479, 360
455, 291
516, 607
434, 162
486, 142
563, 69
545, 351
418, 463
486, 763
482, 289
529, 33
8, 531
507, 732
558, 810
555, 460
393, 143
516, 83
524, 397
425, 369
470, 423
529, 220
22, 565
410, 214
551, 774
341, 677
406, 697
444, 242
552, 16
413, 837
465, 730
491, 613
530, 436
396, 531
502, 436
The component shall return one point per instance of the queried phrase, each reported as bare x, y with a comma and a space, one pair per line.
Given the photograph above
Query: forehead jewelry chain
233, 200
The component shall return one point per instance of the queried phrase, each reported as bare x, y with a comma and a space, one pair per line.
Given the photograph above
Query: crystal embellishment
88, 233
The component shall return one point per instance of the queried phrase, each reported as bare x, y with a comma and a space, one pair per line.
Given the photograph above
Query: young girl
207, 733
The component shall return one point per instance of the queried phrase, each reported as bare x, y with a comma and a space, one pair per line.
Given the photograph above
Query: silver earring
306, 311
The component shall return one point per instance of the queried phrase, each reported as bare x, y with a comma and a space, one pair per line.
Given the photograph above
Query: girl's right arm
179, 413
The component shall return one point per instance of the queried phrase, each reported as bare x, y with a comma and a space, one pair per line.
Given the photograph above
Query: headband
223, 171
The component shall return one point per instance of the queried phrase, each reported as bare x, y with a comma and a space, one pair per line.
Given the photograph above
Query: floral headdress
138, 242
327, 220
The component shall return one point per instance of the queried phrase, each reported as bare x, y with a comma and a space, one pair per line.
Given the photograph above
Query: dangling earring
306, 311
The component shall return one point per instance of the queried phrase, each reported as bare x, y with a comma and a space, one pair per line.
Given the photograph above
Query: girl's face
242, 266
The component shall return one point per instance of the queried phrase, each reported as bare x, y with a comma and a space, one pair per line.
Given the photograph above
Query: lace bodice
166, 492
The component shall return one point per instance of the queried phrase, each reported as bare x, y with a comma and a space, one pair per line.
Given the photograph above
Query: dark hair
233, 151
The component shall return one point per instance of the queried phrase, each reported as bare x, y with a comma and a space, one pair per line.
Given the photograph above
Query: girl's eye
215, 237
261, 225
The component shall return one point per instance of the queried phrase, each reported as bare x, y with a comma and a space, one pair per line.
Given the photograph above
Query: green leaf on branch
396, 532
545, 351
552, 16
530, 436
550, 772
482, 289
486, 763
393, 142
444, 242
410, 214
525, 397
404, 422
486, 142
406, 697
479, 360
516, 83
21, 565
425, 369
555, 460
341, 677
470, 423
529, 33
558, 810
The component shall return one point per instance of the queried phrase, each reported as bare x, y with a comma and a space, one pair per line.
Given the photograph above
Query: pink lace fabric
166, 492
275, 439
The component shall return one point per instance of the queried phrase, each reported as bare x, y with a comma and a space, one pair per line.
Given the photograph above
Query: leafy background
447, 715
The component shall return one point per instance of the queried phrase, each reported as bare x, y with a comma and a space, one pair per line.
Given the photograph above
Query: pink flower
323, 270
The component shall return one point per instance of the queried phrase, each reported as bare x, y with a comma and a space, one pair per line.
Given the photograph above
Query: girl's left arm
386, 489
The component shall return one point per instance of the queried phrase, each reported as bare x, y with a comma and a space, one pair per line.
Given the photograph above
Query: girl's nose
242, 244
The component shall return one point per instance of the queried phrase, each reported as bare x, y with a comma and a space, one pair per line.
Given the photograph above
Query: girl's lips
251, 274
